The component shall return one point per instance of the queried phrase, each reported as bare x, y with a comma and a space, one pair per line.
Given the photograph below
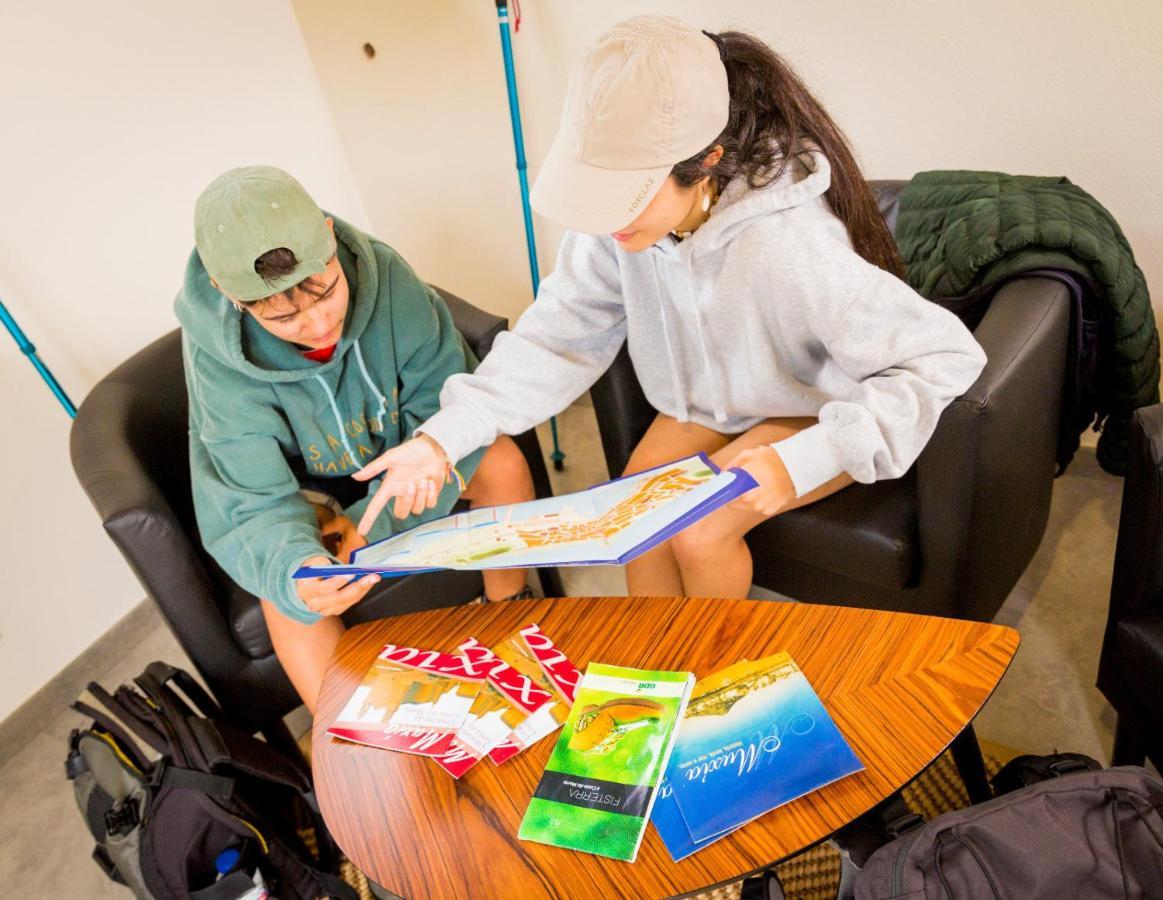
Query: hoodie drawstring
371, 384
338, 421
675, 381
718, 406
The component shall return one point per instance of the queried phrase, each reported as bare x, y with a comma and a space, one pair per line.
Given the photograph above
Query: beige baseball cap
650, 93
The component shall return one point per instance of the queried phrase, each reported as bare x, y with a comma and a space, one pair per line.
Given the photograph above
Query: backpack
1061, 827
160, 825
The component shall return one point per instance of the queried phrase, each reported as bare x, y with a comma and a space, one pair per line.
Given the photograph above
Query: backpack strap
164, 673
220, 787
132, 710
1028, 769
224, 746
174, 715
125, 743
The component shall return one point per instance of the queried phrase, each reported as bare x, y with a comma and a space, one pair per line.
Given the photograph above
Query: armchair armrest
129, 436
1137, 585
984, 480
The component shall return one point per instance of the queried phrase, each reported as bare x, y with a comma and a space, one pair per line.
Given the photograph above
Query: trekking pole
27, 348
557, 455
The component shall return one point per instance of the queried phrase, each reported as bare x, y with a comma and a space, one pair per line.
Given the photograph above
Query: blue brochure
755, 736
609, 523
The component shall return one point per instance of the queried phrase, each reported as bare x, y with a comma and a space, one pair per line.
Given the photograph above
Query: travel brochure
755, 736
700, 760
459, 708
599, 786
608, 524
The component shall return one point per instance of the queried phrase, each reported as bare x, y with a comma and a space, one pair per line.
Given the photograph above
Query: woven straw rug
814, 874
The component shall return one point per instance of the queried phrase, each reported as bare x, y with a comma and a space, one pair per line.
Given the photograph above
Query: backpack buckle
123, 818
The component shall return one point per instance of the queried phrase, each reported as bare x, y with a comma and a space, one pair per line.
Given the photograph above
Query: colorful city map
609, 523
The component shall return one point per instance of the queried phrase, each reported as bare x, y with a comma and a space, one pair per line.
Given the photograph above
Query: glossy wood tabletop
900, 687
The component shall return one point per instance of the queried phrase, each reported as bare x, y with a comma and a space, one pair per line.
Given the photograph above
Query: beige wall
115, 115
1035, 87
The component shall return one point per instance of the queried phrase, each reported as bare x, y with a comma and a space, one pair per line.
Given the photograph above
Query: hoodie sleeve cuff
284, 594
810, 458
456, 430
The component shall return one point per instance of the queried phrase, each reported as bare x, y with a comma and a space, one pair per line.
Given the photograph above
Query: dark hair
772, 115
278, 263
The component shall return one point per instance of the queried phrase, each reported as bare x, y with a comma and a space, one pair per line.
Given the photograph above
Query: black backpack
161, 824
1061, 826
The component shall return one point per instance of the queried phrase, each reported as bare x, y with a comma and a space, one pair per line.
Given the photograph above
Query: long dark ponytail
772, 115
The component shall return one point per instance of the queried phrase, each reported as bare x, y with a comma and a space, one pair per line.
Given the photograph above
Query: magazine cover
410, 700
756, 737
609, 523
532, 652
599, 785
508, 698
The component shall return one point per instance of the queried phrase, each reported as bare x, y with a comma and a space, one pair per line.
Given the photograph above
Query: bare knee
695, 545
503, 475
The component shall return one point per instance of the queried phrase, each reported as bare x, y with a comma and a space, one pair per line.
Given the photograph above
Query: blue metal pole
29, 350
557, 455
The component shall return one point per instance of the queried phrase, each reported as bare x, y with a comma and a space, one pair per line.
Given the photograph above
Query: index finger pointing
385, 492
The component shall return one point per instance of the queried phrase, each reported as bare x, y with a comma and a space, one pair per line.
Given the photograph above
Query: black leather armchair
1130, 668
129, 450
952, 536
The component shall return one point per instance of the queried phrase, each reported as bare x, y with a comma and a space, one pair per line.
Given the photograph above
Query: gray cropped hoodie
765, 311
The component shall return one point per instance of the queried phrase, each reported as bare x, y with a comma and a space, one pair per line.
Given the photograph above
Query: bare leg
711, 555
656, 573
303, 650
502, 477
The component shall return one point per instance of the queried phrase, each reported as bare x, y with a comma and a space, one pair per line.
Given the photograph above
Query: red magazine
508, 698
557, 674
410, 700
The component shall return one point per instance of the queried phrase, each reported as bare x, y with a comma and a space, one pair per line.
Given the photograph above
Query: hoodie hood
233, 338
740, 206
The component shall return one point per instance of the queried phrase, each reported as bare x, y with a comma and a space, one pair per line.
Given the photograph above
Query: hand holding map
608, 524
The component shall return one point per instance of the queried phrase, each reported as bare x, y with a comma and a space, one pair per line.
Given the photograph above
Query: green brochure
600, 783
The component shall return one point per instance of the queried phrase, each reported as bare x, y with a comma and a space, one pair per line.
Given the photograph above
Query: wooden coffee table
900, 687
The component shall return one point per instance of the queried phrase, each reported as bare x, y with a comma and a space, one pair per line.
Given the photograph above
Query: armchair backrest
129, 443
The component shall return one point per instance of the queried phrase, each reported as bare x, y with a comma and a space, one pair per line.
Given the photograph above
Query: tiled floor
1047, 701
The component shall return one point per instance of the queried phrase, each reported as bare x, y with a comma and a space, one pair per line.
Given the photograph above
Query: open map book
608, 524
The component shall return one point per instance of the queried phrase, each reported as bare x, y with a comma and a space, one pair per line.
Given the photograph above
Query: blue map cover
755, 736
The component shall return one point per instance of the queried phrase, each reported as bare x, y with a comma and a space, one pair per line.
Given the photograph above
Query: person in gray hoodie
720, 226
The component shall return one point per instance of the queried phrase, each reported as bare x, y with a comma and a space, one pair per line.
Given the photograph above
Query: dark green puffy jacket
961, 231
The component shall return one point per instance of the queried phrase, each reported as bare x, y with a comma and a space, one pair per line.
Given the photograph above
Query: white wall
1037, 87
116, 114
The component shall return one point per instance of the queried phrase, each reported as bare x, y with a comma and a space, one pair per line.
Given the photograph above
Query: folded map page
608, 524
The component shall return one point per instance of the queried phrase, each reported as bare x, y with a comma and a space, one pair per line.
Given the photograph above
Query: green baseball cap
247, 212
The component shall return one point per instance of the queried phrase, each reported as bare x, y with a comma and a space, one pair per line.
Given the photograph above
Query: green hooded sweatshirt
256, 404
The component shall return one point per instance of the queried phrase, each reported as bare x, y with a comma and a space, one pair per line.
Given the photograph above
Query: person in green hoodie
311, 348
